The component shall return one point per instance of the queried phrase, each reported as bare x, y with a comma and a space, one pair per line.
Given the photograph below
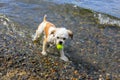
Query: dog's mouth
60, 42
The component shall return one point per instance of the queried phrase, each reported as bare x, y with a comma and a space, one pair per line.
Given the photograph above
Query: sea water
111, 7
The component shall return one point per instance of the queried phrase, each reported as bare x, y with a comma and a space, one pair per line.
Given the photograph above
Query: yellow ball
59, 46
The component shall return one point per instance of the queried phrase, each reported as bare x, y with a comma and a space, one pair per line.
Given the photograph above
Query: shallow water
28, 12
111, 7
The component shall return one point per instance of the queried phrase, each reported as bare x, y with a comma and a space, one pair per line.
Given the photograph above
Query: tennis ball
59, 46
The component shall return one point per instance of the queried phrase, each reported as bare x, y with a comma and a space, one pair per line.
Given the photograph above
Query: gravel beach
94, 51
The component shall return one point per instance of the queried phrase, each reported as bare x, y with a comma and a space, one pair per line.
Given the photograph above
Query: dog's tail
44, 19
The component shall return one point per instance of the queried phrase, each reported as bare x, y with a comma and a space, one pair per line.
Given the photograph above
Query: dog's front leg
44, 47
63, 57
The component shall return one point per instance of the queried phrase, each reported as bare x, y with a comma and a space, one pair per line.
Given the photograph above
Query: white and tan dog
52, 35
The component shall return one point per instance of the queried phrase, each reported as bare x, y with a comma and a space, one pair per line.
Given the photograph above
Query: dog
52, 35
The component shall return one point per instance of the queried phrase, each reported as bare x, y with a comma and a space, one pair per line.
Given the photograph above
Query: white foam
104, 19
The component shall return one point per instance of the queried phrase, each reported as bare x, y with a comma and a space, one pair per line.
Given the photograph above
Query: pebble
0, 74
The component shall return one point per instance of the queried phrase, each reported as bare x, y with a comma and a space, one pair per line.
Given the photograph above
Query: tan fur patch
47, 27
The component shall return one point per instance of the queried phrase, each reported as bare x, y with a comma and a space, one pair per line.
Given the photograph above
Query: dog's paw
44, 53
34, 41
64, 58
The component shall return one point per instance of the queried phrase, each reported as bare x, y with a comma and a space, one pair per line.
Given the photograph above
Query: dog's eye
57, 37
64, 38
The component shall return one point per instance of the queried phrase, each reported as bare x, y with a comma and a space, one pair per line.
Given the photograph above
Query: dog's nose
60, 42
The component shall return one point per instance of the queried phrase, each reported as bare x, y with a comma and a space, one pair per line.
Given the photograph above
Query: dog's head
61, 34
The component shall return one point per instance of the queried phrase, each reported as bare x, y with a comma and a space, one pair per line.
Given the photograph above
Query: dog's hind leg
39, 31
37, 35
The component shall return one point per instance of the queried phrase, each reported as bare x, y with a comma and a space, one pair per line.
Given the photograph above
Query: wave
106, 19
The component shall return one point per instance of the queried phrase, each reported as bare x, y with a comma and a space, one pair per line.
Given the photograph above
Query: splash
105, 19
4, 20
10, 26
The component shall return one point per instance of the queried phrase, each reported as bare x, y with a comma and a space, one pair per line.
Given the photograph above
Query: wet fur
52, 35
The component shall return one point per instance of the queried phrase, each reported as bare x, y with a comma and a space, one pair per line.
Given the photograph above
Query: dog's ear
53, 32
70, 33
